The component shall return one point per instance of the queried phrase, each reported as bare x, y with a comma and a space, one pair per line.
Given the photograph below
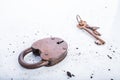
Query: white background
22, 22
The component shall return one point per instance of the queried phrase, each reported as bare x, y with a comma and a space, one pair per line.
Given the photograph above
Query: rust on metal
51, 50
91, 30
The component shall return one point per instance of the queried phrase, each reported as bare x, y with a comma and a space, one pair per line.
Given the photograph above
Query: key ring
78, 18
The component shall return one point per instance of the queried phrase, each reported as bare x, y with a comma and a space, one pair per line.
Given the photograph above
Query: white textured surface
22, 22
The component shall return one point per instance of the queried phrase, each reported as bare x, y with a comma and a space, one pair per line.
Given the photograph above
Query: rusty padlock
51, 51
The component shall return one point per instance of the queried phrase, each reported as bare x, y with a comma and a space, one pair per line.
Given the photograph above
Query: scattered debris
79, 53
109, 69
109, 57
13, 51
77, 48
113, 51
109, 48
91, 76
69, 74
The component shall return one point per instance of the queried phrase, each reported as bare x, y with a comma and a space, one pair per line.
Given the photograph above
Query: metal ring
78, 18
27, 65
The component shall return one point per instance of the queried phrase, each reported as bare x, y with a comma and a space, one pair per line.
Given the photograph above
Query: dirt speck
69, 74
109, 69
77, 48
111, 79
29, 59
8, 49
91, 76
13, 51
109, 56
113, 51
23, 42
10, 44
105, 6
109, 48
79, 53
36, 34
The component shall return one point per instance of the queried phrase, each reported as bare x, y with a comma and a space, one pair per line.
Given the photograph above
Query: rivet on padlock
51, 51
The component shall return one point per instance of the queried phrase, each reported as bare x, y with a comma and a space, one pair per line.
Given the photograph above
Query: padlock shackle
28, 65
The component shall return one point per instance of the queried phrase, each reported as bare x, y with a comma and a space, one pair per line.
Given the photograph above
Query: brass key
91, 30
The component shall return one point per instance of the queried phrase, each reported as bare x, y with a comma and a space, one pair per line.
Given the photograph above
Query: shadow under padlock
51, 50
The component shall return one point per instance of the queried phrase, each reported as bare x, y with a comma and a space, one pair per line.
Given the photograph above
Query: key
91, 30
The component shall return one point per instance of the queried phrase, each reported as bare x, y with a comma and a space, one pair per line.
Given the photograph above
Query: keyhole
36, 52
60, 42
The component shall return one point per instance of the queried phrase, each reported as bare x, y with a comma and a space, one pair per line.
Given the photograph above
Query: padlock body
53, 50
